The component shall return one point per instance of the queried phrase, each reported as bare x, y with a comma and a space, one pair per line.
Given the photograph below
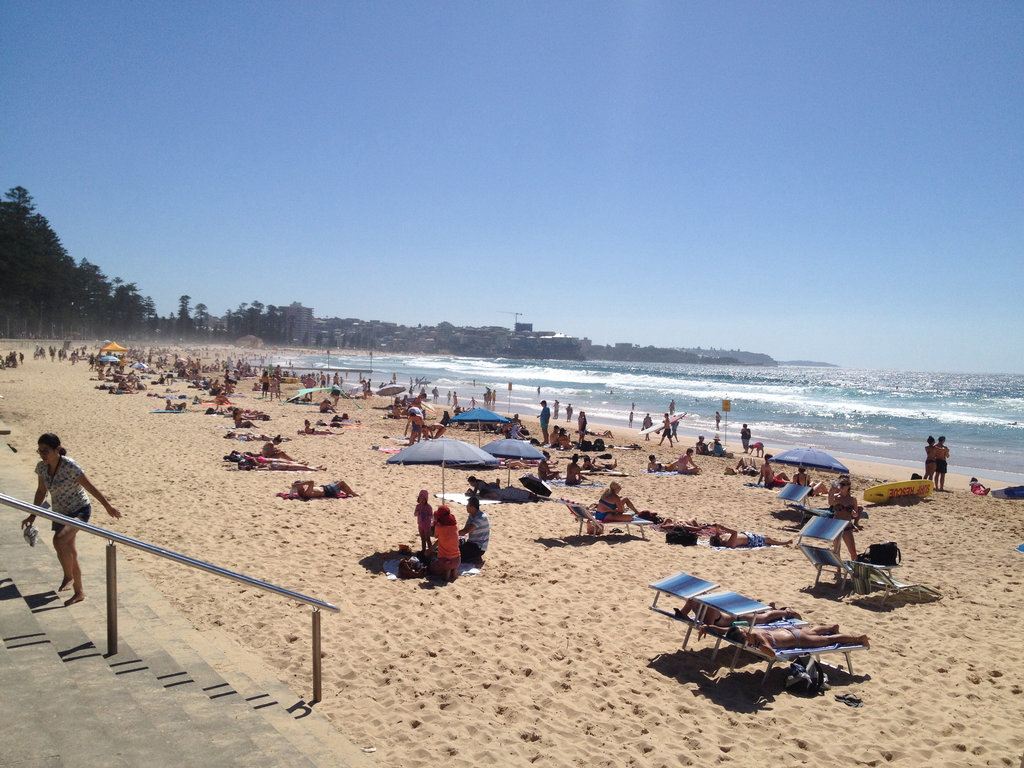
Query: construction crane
515, 317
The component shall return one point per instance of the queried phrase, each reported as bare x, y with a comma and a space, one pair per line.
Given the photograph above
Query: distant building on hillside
299, 322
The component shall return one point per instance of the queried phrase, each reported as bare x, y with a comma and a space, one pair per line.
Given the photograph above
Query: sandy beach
550, 656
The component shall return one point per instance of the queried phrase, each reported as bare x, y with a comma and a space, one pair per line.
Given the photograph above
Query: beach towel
561, 484
461, 498
166, 411
293, 495
391, 569
662, 473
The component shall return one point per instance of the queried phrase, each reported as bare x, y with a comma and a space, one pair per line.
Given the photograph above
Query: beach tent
113, 346
446, 452
811, 458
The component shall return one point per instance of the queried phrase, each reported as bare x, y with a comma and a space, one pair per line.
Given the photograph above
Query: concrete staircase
170, 696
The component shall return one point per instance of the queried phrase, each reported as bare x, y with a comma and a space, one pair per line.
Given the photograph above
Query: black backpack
685, 538
805, 677
881, 554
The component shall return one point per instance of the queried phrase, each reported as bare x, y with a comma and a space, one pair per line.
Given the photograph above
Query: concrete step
169, 696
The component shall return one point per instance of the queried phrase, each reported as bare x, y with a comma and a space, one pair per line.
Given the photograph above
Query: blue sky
828, 181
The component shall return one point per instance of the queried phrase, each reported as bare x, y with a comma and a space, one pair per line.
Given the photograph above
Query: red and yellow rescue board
879, 494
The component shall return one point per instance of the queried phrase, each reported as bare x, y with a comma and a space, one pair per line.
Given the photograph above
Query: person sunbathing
685, 464
767, 641
730, 539
545, 471
305, 489
611, 507
746, 467
277, 465
434, 431
240, 423
593, 466
712, 617
307, 429
573, 475
272, 450
654, 466
768, 477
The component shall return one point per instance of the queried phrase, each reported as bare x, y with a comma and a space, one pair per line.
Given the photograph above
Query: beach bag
586, 446
654, 517
410, 568
683, 538
805, 677
882, 554
599, 444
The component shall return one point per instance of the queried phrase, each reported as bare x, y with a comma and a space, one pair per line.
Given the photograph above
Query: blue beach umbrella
110, 359
513, 449
810, 457
447, 453
481, 415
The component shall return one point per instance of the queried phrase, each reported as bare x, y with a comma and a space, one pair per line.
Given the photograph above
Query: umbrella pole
442, 479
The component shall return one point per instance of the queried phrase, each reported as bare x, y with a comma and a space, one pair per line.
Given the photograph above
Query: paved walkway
170, 696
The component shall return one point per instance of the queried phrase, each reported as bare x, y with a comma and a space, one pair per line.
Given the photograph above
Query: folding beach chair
586, 517
793, 493
819, 541
867, 577
681, 585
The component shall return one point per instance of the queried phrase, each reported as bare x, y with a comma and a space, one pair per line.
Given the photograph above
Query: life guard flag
727, 405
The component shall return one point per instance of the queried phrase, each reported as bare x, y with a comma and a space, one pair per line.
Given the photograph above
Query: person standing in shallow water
67, 484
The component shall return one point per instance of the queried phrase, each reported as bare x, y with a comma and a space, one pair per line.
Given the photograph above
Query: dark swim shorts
82, 513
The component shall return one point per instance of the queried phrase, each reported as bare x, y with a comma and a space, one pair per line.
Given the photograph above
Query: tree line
47, 294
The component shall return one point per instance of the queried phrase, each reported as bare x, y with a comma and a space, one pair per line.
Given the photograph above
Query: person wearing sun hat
448, 558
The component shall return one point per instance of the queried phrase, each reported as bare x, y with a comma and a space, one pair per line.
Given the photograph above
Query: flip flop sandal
617, 530
850, 700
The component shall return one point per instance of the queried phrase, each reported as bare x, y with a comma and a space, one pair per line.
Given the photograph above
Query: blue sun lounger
586, 517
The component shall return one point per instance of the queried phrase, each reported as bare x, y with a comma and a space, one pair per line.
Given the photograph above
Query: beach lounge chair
586, 517
868, 577
793, 493
743, 608
681, 585
788, 654
819, 541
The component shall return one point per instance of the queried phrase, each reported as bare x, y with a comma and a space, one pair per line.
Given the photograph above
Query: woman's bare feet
75, 598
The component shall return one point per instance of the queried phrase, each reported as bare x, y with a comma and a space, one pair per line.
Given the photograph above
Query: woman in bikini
929, 458
611, 508
767, 641
305, 489
846, 508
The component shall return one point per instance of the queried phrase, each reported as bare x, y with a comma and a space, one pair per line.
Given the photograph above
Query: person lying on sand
730, 539
769, 640
305, 489
277, 465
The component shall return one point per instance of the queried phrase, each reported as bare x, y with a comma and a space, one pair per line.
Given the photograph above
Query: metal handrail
177, 557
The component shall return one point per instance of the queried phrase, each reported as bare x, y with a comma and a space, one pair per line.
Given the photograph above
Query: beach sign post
726, 407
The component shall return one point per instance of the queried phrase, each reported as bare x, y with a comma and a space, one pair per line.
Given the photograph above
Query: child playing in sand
424, 520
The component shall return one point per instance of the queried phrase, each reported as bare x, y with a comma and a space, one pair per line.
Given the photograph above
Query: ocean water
851, 413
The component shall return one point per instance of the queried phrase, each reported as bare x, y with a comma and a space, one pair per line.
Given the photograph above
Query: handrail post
111, 597
316, 654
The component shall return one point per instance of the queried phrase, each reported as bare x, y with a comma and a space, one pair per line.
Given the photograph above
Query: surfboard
661, 425
1016, 492
880, 494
